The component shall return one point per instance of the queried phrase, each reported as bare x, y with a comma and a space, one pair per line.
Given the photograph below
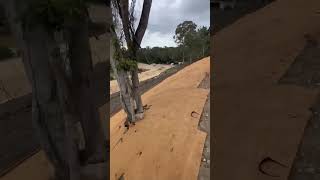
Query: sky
165, 15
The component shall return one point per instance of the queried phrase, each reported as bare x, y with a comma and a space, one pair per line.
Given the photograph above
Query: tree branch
123, 6
143, 23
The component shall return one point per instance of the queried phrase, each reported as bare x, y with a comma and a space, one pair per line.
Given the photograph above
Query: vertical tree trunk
70, 116
136, 93
53, 114
124, 86
83, 88
133, 40
46, 112
136, 88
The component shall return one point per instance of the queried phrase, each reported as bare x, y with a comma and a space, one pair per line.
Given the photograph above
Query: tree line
193, 43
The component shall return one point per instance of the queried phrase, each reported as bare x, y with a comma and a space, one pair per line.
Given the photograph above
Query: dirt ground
167, 143
37, 167
267, 119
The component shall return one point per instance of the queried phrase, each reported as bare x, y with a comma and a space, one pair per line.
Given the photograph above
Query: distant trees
193, 43
160, 55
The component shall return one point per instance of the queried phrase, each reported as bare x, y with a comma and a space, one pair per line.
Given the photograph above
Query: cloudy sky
165, 15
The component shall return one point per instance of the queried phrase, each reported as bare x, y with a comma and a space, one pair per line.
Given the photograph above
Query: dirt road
255, 117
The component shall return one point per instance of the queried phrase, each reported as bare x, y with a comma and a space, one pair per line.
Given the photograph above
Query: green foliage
124, 63
5, 53
182, 30
194, 42
127, 65
159, 55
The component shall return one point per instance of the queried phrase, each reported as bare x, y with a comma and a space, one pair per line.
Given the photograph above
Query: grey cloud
165, 15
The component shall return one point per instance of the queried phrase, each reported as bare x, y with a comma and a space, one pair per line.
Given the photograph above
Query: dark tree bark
143, 23
59, 102
83, 88
46, 111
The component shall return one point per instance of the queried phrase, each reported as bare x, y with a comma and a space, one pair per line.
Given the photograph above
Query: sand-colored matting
166, 144
168, 138
254, 117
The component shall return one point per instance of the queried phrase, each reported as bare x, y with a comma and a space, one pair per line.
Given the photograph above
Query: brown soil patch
253, 116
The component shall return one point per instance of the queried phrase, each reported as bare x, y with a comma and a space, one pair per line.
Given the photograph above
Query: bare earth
160, 139
255, 117
151, 71
167, 143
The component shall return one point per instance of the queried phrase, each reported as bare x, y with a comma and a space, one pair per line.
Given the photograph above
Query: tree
62, 107
182, 31
204, 37
194, 41
124, 62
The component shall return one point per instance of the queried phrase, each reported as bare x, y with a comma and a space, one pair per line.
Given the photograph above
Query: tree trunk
83, 89
136, 91
124, 86
53, 109
46, 112
133, 41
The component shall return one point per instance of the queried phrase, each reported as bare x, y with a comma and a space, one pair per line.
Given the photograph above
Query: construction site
264, 71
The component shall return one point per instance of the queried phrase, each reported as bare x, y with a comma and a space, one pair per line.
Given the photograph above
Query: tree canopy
192, 42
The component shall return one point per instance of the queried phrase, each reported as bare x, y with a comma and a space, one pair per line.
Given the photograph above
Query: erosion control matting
167, 143
18, 140
257, 122
37, 167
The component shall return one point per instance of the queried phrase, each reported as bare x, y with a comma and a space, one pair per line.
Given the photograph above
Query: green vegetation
193, 43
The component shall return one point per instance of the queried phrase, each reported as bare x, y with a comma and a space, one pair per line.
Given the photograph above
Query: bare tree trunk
133, 40
53, 111
124, 86
143, 23
46, 112
83, 88
136, 92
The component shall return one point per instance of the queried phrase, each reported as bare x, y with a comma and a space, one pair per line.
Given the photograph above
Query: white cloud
153, 39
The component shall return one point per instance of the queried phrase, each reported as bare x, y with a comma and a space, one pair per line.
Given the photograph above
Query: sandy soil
268, 118
185, 163
167, 143
152, 70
